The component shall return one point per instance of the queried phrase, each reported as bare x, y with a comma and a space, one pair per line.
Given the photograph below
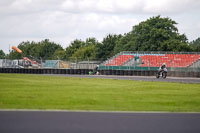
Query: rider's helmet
163, 65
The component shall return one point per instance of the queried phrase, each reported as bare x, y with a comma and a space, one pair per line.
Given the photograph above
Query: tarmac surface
138, 78
97, 122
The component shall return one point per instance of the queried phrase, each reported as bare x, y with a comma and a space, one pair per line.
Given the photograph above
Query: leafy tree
91, 41
154, 34
48, 49
106, 48
59, 54
88, 52
195, 45
125, 43
73, 47
2, 54
82, 49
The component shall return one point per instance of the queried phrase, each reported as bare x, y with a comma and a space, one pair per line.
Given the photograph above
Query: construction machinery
27, 62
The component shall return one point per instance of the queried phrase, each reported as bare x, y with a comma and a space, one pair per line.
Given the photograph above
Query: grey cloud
104, 6
130, 6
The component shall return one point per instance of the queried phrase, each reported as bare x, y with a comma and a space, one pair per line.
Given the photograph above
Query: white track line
96, 111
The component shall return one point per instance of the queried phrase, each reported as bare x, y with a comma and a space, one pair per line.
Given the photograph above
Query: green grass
18, 91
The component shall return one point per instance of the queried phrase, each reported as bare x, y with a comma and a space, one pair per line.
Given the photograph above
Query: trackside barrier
102, 72
147, 68
45, 71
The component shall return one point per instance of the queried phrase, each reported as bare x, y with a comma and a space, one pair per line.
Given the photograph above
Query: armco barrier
102, 72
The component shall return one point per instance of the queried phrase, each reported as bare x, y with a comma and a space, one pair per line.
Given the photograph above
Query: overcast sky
62, 21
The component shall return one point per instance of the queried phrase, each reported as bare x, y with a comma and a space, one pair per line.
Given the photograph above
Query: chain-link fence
175, 61
72, 63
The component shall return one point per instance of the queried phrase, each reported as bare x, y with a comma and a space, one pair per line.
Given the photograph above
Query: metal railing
71, 63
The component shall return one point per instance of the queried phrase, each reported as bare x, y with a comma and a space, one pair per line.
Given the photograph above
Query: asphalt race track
97, 122
138, 78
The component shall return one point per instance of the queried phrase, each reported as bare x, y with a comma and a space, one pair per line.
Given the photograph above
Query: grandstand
153, 60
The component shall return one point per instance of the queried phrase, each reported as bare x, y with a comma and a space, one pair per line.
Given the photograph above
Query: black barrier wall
45, 71
102, 72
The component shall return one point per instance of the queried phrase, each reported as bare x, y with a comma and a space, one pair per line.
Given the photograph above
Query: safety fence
52, 64
127, 60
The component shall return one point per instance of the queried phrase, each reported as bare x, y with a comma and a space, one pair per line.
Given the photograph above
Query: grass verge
19, 91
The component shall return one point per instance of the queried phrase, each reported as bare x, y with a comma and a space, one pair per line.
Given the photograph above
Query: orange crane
17, 49
25, 58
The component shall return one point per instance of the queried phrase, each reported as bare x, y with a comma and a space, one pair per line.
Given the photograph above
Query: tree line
154, 34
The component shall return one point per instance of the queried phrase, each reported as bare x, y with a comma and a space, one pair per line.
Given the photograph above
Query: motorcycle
162, 74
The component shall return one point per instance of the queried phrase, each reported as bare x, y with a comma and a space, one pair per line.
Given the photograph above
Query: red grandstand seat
120, 60
171, 60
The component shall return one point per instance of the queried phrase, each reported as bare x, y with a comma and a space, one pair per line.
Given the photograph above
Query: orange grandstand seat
120, 60
171, 60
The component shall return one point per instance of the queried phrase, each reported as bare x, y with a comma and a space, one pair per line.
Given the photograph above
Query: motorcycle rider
162, 68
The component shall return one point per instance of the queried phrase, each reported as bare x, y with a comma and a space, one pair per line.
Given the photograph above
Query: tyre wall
45, 71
